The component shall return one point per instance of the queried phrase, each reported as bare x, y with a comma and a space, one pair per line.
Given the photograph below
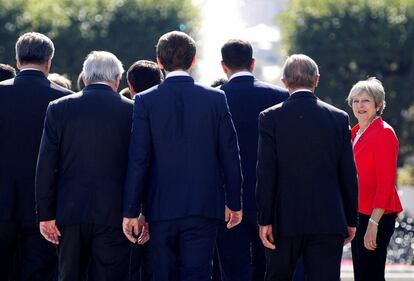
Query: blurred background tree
128, 28
355, 39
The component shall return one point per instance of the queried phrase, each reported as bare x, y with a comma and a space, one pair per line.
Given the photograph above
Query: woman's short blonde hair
374, 88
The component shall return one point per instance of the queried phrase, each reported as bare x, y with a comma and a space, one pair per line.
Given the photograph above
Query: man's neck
32, 66
113, 86
233, 74
177, 72
299, 89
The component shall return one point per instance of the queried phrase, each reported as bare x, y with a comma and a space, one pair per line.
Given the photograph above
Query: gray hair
300, 71
101, 66
33, 47
374, 88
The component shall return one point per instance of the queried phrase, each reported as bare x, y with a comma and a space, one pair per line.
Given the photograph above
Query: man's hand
232, 218
351, 235
370, 238
50, 231
132, 227
144, 237
266, 235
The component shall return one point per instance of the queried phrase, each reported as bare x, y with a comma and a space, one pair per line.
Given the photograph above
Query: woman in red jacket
376, 150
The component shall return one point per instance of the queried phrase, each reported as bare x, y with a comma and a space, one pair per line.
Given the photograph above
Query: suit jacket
376, 154
83, 158
23, 103
306, 176
247, 97
182, 140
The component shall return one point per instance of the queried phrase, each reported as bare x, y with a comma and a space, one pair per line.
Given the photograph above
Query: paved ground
393, 272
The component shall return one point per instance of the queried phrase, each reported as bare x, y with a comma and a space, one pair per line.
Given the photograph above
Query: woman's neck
363, 125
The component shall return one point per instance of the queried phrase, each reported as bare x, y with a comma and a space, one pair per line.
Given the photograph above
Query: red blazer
376, 154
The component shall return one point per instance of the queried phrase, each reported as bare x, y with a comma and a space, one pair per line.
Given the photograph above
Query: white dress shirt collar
301, 90
241, 73
177, 73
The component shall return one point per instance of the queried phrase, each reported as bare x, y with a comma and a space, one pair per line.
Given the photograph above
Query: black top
23, 103
83, 157
306, 174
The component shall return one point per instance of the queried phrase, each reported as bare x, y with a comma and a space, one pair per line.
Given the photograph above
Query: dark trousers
241, 253
321, 257
25, 254
182, 249
93, 252
140, 264
370, 265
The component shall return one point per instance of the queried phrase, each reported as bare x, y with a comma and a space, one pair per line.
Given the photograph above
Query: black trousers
241, 253
24, 253
182, 249
321, 257
93, 252
140, 264
370, 265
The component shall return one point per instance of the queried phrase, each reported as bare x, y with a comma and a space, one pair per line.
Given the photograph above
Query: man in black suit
81, 171
183, 141
306, 179
240, 249
23, 102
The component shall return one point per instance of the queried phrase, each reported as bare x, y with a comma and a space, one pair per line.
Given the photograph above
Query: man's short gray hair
300, 71
33, 47
373, 87
101, 66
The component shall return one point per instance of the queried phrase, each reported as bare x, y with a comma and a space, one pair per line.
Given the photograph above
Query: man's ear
252, 64
131, 89
18, 65
225, 68
193, 62
159, 63
285, 82
317, 80
48, 66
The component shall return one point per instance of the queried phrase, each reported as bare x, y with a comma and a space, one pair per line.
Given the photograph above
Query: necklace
360, 132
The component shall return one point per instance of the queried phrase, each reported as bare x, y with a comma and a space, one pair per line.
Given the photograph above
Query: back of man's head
144, 74
6, 72
300, 71
34, 48
237, 54
101, 66
176, 51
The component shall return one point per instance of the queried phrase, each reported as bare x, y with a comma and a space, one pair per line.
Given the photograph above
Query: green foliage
355, 39
128, 28
406, 175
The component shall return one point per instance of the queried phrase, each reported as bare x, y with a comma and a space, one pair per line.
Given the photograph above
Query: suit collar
178, 79
98, 87
302, 94
31, 72
242, 78
240, 73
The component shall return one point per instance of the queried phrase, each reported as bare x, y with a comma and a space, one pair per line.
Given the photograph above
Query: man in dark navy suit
81, 171
23, 102
240, 249
306, 179
184, 166
142, 75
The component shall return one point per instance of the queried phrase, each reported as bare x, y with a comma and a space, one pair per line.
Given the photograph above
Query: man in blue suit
184, 167
81, 171
240, 249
